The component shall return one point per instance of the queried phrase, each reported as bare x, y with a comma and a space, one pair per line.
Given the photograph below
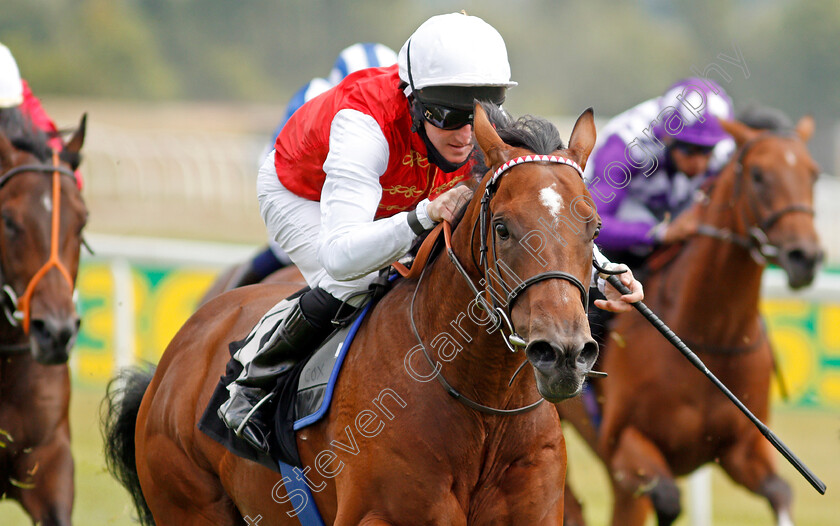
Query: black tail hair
118, 415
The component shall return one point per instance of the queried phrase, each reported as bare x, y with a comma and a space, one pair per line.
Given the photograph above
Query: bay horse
661, 418
396, 448
43, 214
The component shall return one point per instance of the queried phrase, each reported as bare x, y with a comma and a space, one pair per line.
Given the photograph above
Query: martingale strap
422, 256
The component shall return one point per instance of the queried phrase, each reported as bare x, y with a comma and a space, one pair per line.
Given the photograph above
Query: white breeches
294, 223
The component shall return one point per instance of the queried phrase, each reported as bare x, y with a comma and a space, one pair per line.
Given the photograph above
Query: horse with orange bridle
42, 214
660, 418
396, 447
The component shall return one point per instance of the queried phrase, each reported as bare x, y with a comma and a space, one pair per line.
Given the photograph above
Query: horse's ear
70, 154
805, 128
583, 136
488, 140
6, 153
738, 130
74, 145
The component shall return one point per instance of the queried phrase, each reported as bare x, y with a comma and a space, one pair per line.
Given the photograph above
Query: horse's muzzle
800, 262
53, 338
560, 369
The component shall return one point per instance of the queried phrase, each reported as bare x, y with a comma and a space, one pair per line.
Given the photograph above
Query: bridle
499, 311
755, 241
17, 309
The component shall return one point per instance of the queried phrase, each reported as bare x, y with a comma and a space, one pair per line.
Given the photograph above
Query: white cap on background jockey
360, 56
456, 50
11, 88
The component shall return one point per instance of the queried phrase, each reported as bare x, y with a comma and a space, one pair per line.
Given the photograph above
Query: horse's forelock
759, 117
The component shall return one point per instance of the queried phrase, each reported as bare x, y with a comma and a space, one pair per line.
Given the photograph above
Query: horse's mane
530, 132
760, 117
23, 135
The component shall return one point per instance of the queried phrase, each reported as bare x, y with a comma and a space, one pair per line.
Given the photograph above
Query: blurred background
182, 98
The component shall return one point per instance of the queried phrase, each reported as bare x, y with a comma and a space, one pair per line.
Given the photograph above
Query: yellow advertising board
806, 334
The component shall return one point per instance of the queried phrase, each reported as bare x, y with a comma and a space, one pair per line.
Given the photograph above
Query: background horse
661, 418
40, 237
395, 447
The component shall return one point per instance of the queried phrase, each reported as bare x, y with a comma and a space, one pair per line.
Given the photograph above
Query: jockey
651, 160
15, 94
359, 56
647, 167
357, 174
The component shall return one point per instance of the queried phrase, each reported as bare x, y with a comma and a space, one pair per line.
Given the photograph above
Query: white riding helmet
455, 50
11, 88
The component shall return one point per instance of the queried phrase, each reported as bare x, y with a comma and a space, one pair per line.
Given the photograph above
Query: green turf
813, 435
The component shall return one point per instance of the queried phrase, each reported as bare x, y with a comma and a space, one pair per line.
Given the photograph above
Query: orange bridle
23, 304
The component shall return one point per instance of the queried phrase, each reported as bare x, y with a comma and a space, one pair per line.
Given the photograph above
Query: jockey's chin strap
18, 309
755, 241
499, 305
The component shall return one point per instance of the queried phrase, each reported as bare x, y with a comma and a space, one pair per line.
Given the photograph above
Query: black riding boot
298, 335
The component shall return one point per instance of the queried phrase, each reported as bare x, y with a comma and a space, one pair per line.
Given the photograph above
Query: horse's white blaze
790, 157
46, 200
552, 200
784, 519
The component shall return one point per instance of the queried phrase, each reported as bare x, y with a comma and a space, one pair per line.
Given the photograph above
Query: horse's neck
716, 284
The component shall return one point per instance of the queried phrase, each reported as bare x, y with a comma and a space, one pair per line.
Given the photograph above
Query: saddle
301, 396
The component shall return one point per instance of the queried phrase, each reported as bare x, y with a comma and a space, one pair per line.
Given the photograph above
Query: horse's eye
10, 226
597, 233
501, 231
757, 176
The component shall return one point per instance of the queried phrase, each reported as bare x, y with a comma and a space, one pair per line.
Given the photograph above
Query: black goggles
693, 149
446, 118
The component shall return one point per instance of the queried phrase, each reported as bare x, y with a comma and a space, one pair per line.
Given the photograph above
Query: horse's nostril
798, 256
588, 354
541, 352
55, 334
39, 327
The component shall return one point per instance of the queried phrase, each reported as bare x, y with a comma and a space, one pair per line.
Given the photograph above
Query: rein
755, 241
499, 313
18, 309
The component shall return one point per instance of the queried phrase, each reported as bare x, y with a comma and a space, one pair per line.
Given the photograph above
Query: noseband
498, 310
755, 241
17, 309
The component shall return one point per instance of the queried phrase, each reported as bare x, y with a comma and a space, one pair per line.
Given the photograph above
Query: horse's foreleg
750, 463
45, 476
638, 470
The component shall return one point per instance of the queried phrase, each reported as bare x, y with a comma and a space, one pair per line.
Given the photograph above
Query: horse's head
41, 219
535, 224
774, 196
